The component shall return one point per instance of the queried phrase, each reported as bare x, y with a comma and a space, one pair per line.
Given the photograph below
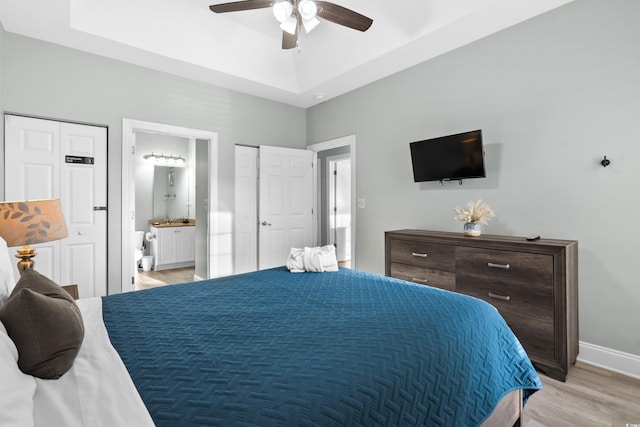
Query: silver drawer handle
503, 266
415, 279
419, 255
502, 297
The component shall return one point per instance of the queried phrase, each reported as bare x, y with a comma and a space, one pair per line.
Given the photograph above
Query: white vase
472, 229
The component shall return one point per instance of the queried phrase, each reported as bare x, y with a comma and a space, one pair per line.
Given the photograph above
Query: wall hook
605, 162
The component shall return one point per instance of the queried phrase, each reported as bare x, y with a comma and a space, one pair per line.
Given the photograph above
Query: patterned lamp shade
30, 222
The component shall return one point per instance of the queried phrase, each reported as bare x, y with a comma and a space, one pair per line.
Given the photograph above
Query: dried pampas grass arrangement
478, 212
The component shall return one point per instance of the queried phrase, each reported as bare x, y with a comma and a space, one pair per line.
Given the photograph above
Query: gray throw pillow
45, 324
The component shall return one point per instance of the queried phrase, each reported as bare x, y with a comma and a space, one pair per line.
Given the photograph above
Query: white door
246, 209
50, 159
285, 203
83, 194
31, 172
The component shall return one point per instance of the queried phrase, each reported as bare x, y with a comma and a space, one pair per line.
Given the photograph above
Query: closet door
83, 193
274, 205
31, 172
50, 159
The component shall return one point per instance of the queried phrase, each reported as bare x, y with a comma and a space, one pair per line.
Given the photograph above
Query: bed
275, 348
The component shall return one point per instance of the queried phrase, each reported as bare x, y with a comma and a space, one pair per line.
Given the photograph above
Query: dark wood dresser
533, 284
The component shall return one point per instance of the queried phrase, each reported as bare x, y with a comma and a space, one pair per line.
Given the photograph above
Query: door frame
350, 141
129, 129
332, 160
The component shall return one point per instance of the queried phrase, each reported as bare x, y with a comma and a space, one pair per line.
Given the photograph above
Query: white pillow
16, 389
295, 262
320, 259
7, 282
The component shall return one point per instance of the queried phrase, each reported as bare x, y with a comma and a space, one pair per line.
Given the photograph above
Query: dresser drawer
424, 276
422, 254
528, 312
519, 285
528, 269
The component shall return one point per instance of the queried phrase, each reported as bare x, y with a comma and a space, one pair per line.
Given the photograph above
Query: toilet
138, 250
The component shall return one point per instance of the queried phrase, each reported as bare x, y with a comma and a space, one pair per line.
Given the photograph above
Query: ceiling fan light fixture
293, 14
290, 25
307, 9
310, 24
282, 10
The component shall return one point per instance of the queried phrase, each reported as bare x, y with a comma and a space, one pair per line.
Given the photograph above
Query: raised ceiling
242, 50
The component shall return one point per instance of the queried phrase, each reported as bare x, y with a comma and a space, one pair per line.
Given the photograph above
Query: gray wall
552, 96
43, 79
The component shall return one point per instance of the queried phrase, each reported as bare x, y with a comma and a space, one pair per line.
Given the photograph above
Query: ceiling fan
294, 13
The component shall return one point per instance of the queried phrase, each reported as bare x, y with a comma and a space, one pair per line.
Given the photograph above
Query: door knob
266, 224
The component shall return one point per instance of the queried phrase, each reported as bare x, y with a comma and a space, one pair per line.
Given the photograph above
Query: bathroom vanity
174, 244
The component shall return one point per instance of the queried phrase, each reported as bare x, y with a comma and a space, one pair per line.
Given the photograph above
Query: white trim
129, 129
327, 213
610, 359
315, 194
350, 141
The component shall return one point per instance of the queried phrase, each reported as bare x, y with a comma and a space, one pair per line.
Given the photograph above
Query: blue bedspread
275, 348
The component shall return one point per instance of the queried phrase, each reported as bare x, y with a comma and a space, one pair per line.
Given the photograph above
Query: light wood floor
152, 279
591, 396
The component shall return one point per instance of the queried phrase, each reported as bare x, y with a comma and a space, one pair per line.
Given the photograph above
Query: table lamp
29, 222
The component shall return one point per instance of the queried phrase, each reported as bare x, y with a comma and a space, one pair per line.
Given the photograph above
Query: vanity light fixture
164, 160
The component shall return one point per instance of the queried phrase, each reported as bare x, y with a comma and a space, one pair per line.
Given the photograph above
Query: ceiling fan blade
238, 6
343, 16
289, 41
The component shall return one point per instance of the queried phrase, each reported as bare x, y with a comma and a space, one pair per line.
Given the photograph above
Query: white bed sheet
97, 391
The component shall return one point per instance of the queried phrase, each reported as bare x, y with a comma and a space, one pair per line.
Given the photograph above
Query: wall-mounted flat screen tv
448, 158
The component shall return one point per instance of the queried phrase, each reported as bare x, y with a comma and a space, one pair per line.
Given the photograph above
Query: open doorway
336, 218
338, 206
171, 187
132, 130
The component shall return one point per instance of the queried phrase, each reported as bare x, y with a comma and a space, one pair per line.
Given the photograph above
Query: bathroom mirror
170, 192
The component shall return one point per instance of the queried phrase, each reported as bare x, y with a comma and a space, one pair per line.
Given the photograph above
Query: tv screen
451, 157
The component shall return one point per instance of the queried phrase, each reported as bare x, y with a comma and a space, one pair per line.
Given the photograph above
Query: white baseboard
197, 278
607, 358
